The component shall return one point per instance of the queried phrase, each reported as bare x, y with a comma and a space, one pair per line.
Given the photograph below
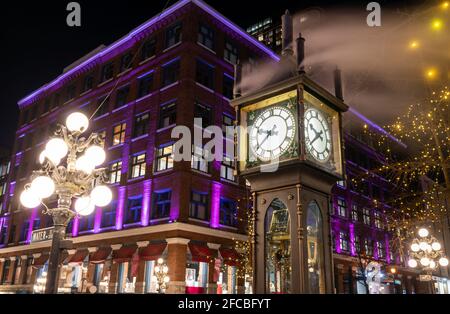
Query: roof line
139, 29
377, 127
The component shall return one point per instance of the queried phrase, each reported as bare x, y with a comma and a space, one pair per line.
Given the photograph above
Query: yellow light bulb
437, 24
413, 44
445, 5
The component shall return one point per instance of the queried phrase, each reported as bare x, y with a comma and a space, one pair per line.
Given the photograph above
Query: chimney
286, 33
300, 54
237, 79
338, 84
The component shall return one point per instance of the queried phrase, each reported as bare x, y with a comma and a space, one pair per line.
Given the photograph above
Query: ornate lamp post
76, 178
161, 271
426, 251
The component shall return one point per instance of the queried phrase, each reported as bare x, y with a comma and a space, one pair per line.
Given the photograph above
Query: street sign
424, 277
42, 235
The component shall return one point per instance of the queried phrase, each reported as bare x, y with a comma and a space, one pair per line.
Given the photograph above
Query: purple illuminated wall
98, 219
120, 207
33, 216
215, 204
76, 223
146, 195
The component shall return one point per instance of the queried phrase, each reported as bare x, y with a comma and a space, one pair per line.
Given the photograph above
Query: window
115, 172
86, 223
55, 101
167, 115
355, 212
228, 212
230, 53
25, 116
368, 247
205, 74
206, 36
380, 250
107, 72
228, 84
29, 140
24, 231
170, 73
344, 241
341, 183
341, 207
119, 133
198, 162
376, 193
88, 82
366, 216
141, 125
377, 220
36, 223
70, 93
227, 168
46, 106
33, 112
161, 204
122, 96
173, 35
358, 244
126, 61
204, 113
109, 215
138, 166
134, 209
199, 206
227, 122
5, 273
102, 106
164, 158
148, 49
145, 85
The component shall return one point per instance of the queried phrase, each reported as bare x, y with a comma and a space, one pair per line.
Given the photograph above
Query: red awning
100, 255
41, 260
78, 257
152, 251
124, 254
200, 253
230, 256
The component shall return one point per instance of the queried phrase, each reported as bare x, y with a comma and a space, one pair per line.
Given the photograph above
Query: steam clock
290, 151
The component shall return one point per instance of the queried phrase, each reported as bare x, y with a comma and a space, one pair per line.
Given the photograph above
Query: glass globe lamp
423, 232
415, 247
77, 122
101, 195
56, 149
43, 186
412, 263
425, 261
84, 206
84, 164
96, 154
443, 261
436, 246
29, 199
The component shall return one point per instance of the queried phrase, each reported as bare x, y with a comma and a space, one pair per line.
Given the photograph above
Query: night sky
36, 43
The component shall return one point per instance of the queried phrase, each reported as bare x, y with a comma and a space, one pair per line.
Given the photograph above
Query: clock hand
318, 135
269, 133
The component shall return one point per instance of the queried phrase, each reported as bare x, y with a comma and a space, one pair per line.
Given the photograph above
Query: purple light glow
120, 207
131, 37
352, 239
76, 222
388, 255
34, 212
337, 243
146, 202
377, 127
98, 220
215, 204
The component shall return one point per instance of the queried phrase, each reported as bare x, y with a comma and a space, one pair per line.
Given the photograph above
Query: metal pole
51, 286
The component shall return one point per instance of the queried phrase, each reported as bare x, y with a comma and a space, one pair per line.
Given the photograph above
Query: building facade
175, 67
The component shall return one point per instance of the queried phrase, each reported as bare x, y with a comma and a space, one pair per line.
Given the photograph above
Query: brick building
171, 69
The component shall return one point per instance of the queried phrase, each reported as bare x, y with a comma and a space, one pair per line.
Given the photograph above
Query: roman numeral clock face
272, 133
317, 135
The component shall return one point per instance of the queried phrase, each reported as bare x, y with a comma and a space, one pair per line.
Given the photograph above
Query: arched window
314, 227
278, 248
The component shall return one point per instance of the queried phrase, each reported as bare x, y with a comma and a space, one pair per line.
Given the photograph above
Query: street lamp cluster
77, 178
160, 274
426, 251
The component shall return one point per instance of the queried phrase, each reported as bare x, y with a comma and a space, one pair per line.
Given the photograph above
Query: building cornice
177, 226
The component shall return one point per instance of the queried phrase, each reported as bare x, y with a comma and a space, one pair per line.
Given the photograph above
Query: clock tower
290, 151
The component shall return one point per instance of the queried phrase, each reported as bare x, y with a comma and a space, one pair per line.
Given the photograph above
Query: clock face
317, 135
272, 133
